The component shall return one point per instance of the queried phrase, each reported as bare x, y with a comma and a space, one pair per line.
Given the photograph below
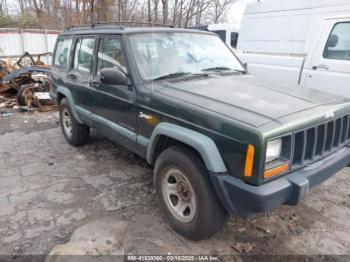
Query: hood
244, 99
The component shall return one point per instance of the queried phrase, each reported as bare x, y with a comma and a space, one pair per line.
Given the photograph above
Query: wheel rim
67, 122
179, 195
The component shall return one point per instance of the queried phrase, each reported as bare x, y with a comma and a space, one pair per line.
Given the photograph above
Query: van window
110, 55
83, 54
338, 44
234, 39
62, 53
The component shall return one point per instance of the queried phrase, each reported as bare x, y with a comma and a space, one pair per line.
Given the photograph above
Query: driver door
113, 106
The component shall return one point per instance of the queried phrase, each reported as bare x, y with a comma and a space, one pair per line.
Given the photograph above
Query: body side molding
203, 144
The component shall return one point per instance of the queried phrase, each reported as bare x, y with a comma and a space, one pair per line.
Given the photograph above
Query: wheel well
60, 97
164, 142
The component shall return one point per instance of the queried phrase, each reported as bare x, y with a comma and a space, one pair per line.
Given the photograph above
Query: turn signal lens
249, 160
276, 171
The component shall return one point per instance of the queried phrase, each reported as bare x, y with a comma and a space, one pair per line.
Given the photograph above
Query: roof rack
117, 23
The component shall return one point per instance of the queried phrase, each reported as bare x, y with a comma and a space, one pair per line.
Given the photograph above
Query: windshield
161, 54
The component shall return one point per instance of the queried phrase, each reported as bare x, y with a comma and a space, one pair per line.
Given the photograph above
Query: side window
83, 54
338, 44
110, 55
234, 39
62, 53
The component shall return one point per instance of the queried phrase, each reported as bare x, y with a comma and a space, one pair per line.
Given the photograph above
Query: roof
116, 29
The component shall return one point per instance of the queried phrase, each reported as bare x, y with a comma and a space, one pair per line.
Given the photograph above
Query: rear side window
83, 54
338, 44
234, 39
62, 53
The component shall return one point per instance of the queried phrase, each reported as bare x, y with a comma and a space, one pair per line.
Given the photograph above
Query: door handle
72, 76
326, 67
94, 83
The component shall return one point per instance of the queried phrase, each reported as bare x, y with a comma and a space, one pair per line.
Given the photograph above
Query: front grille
318, 141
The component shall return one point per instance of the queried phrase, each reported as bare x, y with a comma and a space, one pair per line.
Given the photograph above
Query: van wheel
186, 195
76, 134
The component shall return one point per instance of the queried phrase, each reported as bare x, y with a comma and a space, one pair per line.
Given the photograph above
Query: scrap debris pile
29, 80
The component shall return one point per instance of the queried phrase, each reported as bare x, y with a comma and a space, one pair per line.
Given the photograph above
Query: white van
297, 42
227, 32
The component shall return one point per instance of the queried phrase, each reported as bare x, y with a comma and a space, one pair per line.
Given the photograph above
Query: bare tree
57, 14
3, 8
155, 12
165, 4
219, 8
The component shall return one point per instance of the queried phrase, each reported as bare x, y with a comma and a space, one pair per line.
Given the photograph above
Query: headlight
273, 150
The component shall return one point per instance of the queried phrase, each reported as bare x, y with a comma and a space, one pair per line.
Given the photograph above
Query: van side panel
283, 44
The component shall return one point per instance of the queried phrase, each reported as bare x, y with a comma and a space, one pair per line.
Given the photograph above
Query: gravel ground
49, 188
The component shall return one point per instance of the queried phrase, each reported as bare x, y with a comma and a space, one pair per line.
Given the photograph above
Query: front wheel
186, 194
76, 134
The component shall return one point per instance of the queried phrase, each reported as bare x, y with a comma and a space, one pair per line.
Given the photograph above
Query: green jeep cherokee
219, 141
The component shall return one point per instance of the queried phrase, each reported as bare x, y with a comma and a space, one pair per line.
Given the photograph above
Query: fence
14, 42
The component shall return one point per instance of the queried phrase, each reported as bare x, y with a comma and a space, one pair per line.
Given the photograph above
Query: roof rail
132, 23
117, 23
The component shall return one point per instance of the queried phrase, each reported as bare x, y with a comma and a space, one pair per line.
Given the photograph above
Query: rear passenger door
79, 75
329, 70
114, 112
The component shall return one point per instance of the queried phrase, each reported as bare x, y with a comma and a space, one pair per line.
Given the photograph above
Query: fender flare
65, 91
205, 146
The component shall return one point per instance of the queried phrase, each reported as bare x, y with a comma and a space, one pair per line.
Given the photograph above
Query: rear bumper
246, 200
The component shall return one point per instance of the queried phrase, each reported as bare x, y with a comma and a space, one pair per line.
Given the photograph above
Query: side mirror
245, 65
113, 76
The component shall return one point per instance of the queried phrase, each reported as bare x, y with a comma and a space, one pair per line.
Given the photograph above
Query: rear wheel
76, 134
186, 194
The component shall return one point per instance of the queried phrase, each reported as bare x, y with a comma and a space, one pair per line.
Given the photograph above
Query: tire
181, 170
76, 134
25, 95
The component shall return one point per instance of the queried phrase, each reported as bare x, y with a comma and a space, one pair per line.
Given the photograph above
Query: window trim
329, 36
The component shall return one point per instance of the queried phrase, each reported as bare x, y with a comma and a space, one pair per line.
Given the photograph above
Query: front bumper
246, 200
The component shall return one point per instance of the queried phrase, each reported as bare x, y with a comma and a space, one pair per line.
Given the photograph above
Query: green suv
220, 142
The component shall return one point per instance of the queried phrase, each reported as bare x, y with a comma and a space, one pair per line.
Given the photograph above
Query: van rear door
329, 67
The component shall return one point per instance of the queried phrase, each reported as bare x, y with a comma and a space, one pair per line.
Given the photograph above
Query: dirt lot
49, 188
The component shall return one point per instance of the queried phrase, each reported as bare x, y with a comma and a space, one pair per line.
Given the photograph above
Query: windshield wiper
171, 75
179, 74
222, 68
